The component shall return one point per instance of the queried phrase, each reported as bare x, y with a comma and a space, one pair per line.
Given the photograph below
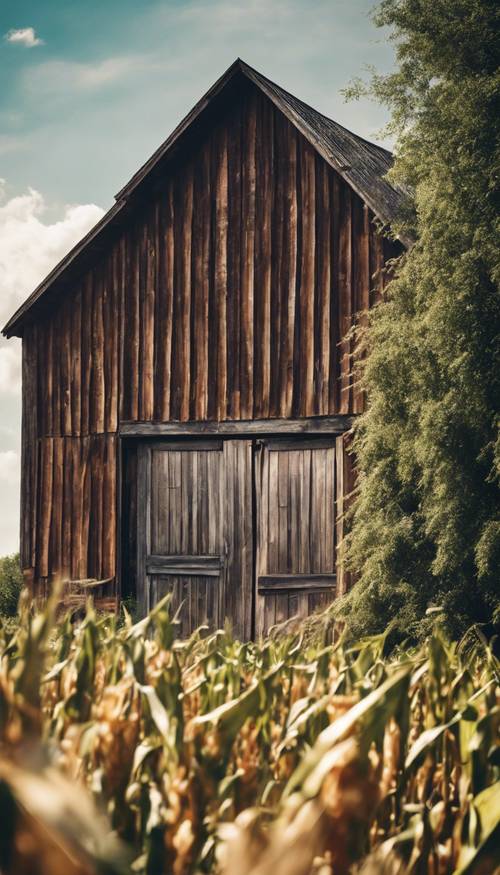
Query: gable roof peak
362, 164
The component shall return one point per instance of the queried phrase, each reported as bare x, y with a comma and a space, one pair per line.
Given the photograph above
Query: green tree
11, 582
426, 526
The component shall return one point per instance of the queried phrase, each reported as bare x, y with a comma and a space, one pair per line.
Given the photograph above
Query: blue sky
92, 90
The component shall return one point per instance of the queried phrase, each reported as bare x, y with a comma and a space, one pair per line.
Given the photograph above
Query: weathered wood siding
296, 551
194, 536
228, 296
243, 277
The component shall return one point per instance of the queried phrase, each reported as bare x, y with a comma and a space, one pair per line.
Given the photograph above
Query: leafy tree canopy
11, 581
426, 518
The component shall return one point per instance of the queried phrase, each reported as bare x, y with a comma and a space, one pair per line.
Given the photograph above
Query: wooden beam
197, 566
311, 425
270, 583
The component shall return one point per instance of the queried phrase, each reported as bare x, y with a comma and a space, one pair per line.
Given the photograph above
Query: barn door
195, 531
295, 495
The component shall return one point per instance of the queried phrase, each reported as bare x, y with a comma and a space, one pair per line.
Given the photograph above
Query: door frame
136, 433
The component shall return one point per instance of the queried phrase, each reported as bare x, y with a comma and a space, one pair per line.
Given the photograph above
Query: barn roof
362, 164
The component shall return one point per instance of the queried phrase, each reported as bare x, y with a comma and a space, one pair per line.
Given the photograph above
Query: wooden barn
186, 368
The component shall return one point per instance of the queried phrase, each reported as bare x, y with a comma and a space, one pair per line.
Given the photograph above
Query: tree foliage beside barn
426, 515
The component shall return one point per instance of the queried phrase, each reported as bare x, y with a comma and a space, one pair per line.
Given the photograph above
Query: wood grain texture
225, 298
295, 491
221, 306
194, 531
345, 484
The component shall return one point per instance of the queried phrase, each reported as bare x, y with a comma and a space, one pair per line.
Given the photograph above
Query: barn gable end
221, 289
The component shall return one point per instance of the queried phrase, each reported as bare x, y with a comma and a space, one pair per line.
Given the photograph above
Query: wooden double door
239, 529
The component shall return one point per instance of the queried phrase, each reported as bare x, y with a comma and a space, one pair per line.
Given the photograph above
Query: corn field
124, 749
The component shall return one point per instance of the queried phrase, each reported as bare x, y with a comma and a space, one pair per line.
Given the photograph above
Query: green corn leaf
367, 715
430, 736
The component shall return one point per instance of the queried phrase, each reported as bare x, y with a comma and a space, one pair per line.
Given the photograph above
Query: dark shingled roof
361, 163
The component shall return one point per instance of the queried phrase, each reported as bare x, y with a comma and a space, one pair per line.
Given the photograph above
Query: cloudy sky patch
23, 36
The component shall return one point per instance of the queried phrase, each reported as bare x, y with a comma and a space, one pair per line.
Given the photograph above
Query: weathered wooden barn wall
228, 296
243, 277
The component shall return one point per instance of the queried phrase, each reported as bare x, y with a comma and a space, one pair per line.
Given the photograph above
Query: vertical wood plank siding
228, 296
264, 258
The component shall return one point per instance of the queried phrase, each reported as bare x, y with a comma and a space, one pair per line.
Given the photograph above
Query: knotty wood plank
126, 332
296, 367
187, 489
41, 383
45, 506
143, 527
361, 286
330, 509
304, 532
324, 288
344, 286
197, 286
109, 463
283, 531
132, 371
285, 444
262, 333
278, 266
234, 264
307, 285
247, 260
272, 529
203, 291
189, 564
231, 540
149, 267
316, 505
56, 331
221, 229
47, 399
309, 425
185, 375
96, 507
85, 528
275, 582
289, 271
260, 534
66, 352
56, 523
74, 449
114, 334
96, 425
67, 478
344, 488
76, 362
335, 351
282, 607
243, 500
169, 304
108, 318
160, 302
144, 347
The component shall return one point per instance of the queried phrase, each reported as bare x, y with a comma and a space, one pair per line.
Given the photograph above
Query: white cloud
9, 505
62, 76
30, 247
9, 467
10, 368
24, 36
